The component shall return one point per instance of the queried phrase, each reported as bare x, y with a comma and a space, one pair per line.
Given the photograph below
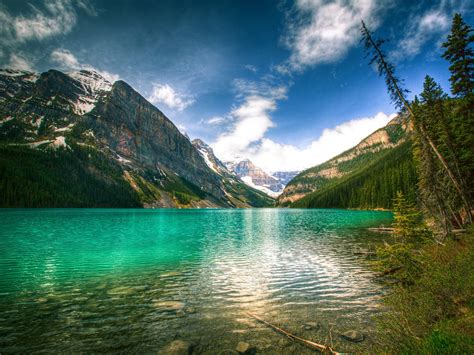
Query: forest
429, 262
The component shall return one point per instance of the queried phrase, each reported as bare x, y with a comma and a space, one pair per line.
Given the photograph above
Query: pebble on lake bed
353, 335
169, 306
310, 326
245, 348
176, 347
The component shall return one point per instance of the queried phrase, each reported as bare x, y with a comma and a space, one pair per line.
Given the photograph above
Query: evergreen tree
398, 96
406, 218
461, 55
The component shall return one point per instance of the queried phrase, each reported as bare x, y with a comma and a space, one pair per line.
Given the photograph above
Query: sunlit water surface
100, 280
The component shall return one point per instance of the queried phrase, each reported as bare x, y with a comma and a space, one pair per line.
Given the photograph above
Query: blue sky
283, 83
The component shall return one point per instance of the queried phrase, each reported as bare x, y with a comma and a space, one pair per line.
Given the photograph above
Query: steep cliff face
138, 132
110, 133
367, 151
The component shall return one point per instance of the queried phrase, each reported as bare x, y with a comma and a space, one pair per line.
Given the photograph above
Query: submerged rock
176, 347
353, 335
245, 348
310, 326
169, 306
190, 310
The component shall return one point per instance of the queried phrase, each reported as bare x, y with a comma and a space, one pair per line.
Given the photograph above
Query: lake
133, 280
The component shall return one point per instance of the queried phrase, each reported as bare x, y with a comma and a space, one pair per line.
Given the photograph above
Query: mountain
255, 177
237, 190
365, 176
284, 176
78, 140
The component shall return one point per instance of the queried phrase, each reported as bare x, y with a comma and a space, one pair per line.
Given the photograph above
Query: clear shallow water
96, 280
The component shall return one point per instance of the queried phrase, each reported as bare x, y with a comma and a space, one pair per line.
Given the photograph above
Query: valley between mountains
77, 140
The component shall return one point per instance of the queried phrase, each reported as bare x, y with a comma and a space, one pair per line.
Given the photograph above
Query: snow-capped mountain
211, 160
252, 175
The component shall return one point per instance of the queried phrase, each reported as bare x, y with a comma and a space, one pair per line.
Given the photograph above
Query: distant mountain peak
256, 177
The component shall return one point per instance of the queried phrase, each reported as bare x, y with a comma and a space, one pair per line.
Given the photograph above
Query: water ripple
79, 280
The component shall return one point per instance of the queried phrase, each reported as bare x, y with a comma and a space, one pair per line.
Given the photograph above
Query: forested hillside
373, 185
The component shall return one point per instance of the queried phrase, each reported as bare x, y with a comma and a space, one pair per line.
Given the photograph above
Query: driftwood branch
308, 343
389, 271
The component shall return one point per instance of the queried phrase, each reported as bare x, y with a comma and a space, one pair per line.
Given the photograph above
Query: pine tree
406, 218
398, 96
461, 55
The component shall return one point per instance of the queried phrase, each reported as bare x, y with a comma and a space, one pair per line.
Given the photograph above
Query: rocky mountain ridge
81, 114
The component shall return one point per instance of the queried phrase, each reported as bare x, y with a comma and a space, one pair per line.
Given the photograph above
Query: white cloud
165, 94
67, 61
322, 31
56, 17
215, 121
421, 29
251, 68
252, 120
20, 62
59, 17
247, 139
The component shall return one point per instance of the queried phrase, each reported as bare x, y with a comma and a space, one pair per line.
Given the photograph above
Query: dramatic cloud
67, 61
322, 31
247, 139
165, 94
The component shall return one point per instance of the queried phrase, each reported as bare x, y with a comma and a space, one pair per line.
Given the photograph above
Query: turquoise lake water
131, 281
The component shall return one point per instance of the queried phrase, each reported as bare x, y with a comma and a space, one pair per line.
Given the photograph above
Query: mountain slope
371, 186
237, 191
106, 135
370, 149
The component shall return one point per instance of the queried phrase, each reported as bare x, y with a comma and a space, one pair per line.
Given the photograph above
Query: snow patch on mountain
94, 86
26, 75
248, 180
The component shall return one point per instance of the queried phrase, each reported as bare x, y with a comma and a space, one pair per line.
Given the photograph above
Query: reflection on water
133, 280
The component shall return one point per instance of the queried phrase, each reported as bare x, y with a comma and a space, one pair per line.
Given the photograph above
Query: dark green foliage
183, 198
433, 313
400, 258
433, 115
460, 54
61, 178
373, 185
